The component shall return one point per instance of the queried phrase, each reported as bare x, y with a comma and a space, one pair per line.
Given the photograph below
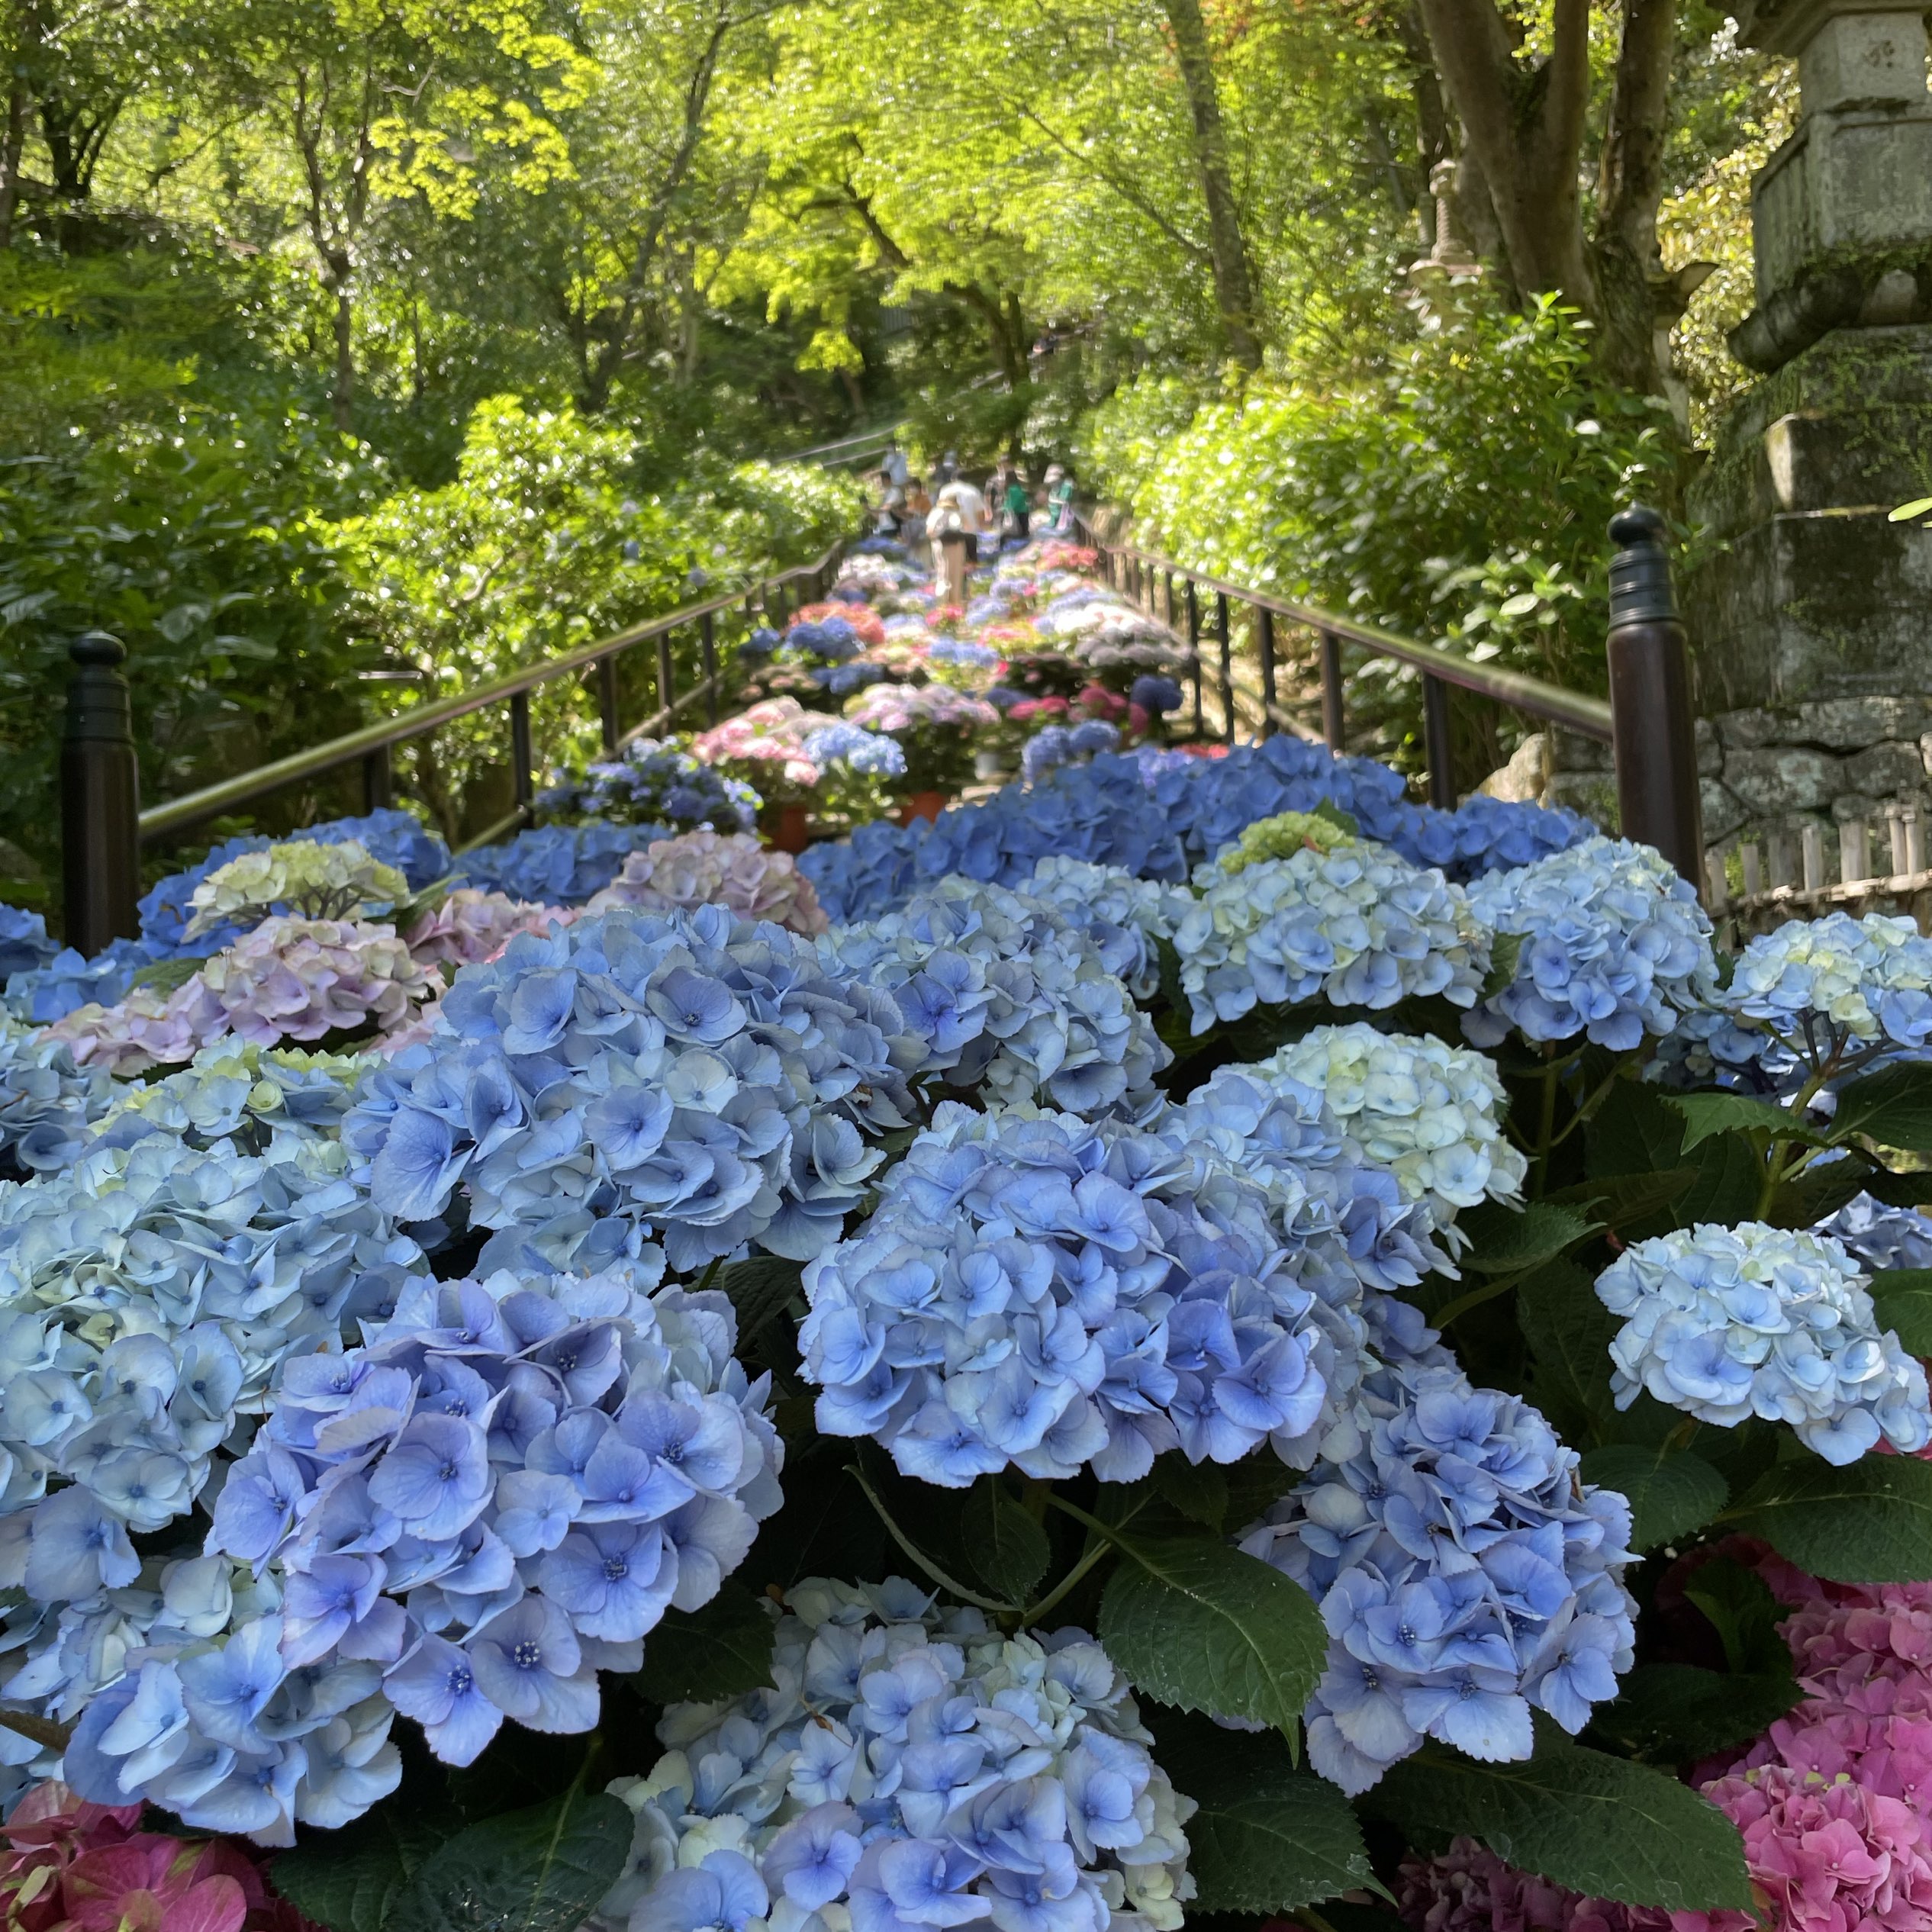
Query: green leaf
1870, 1522
1674, 1713
1569, 1331
1008, 1549
759, 1289
698, 1656
1205, 1627
351, 1880
1892, 1107
1506, 950
1671, 1492
541, 1870
1267, 1837
1600, 1825
1632, 1132
1903, 1298
168, 975
1506, 1240
1706, 1114
1738, 1604
1198, 1490
1728, 1177
1626, 1202
1917, 508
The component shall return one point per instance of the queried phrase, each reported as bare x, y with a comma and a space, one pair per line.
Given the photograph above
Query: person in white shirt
972, 516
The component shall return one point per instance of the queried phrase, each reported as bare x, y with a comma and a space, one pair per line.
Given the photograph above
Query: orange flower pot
926, 805
789, 829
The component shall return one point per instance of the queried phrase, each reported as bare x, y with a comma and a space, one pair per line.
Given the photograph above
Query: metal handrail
177, 814
1589, 717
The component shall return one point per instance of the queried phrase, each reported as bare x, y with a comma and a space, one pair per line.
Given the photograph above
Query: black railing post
1194, 651
100, 798
1654, 735
1265, 650
707, 636
667, 679
379, 780
522, 757
1438, 745
1227, 665
1334, 722
606, 704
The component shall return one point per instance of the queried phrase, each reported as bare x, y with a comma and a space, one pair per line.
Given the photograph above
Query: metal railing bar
178, 813
510, 820
1589, 717
665, 713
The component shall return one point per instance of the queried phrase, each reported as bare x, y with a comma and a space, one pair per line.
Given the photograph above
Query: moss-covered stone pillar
1812, 625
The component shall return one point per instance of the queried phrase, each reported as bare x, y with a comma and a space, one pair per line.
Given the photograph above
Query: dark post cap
98, 647
1641, 591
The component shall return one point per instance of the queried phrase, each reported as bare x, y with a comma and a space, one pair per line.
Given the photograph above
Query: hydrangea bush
1330, 1355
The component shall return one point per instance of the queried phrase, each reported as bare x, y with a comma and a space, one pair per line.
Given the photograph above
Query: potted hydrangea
935, 726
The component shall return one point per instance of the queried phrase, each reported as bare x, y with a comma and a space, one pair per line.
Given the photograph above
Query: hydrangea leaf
1707, 1114
698, 1656
1728, 1177
759, 1289
541, 1870
1671, 1492
1006, 1546
1267, 1837
1506, 949
1601, 1825
1869, 1522
1903, 1297
1892, 1107
1198, 1490
351, 1880
1569, 1331
1508, 1240
1738, 1604
1632, 1204
1674, 1713
1206, 1628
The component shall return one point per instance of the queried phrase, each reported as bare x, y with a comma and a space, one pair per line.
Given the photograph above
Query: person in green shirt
1060, 500
1018, 507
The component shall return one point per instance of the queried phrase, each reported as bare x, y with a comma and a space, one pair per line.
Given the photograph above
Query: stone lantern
1812, 623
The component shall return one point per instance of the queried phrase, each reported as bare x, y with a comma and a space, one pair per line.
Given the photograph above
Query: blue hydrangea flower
46, 1102
1126, 918
690, 1074
1035, 1291
1727, 1323
1876, 1236
1614, 947
869, 752
1155, 695
652, 782
43, 994
556, 864
1465, 1575
24, 942
257, 1099
1007, 996
1357, 925
908, 1765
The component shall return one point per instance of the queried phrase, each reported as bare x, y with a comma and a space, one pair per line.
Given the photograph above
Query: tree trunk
1234, 280
342, 395
13, 139
1633, 341
1524, 126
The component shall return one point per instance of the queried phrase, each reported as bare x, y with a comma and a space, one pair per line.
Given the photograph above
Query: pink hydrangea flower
773, 732
471, 926
289, 979
708, 868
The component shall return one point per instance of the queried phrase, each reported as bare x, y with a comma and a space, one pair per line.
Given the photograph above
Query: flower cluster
1816, 992
1126, 918
70, 1864
24, 942
704, 868
770, 735
467, 926
1357, 923
1281, 837
653, 783
1006, 995
556, 864
46, 1100
908, 1765
1037, 1291
1059, 745
1468, 1889
255, 1098
43, 994
302, 877
1464, 1574
691, 1072
906, 707
1614, 946
1427, 1112
288, 979
868, 752
1727, 1323
390, 837
1876, 1236
499, 1492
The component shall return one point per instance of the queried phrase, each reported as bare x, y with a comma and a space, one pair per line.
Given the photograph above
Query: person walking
972, 517
1019, 507
1060, 500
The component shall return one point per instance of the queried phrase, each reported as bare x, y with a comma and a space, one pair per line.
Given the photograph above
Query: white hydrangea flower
311, 880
